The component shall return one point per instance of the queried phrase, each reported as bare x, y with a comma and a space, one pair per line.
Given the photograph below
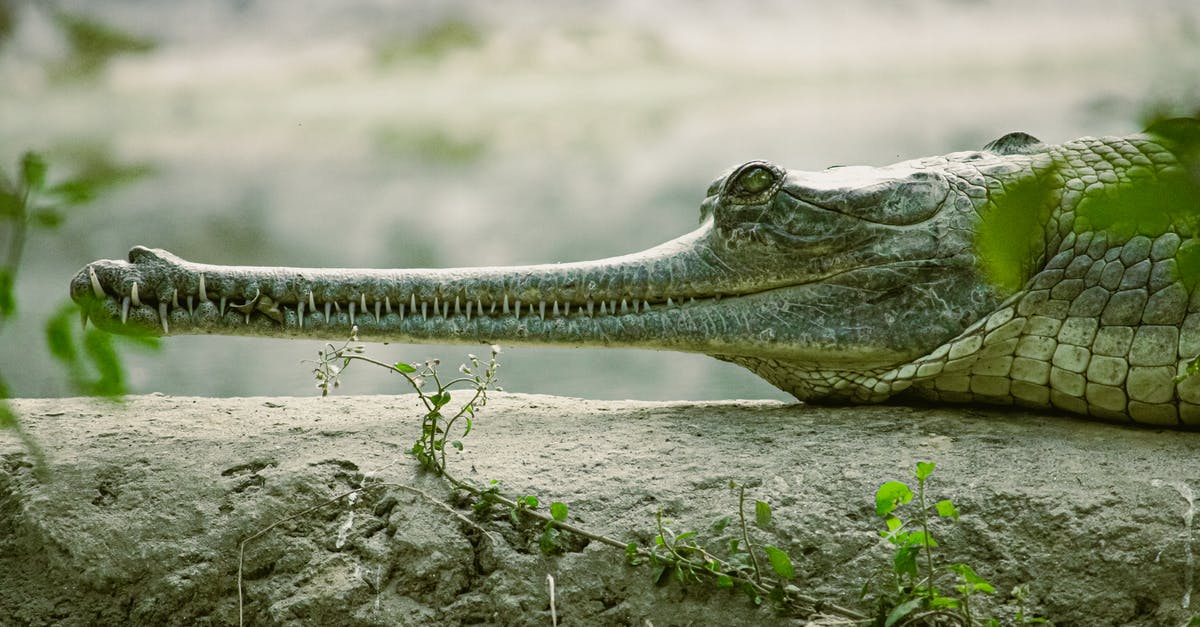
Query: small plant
673, 553
917, 600
683, 555
436, 426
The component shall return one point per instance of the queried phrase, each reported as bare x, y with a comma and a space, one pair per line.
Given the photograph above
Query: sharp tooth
300, 313
669, 302
555, 309
175, 298
328, 308
692, 300
518, 310
493, 310
352, 303
506, 305
645, 306
412, 303
337, 306
469, 305
456, 309
401, 308
247, 317
124, 309
191, 313
590, 312
97, 289
133, 295
479, 305
436, 307
377, 310
162, 316
445, 309
604, 308
612, 306
387, 304
541, 309
362, 301
221, 309
423, 313
311, 302
203, 293
566, 309
83, 319
624, 306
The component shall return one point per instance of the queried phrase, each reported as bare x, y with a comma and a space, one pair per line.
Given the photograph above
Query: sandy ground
140, 519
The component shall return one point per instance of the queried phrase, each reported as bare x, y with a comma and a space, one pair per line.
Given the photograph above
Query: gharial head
790, 273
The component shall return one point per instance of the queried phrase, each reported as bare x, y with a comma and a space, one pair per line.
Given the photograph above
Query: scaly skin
853, 284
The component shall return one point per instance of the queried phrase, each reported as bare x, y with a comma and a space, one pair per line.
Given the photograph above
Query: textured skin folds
853, 284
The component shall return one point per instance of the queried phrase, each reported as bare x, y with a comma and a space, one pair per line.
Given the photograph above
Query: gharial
1003, 275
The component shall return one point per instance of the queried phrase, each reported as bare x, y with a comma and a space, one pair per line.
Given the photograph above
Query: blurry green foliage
433, 43
434, 146
8, 20
28, 201
1012, 229
93, 44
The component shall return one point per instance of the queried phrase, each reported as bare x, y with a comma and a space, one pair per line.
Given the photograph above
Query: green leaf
780, 562
924, 469
762, 514
440, 400
75, 192
8, 299
98, 347
8, 418
724, 581
1010, 233
968, 575
33, 171
721, 523
946, 509
902, 610
548, 541
457, 444
921, 538
403, 367
530, 501
938, 603
558, 511
47, 217
891, 495
58, 336
905, 561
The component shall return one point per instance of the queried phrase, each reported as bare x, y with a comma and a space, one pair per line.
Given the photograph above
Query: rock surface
140, 520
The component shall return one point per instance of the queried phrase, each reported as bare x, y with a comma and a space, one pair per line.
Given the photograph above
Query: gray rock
140, 520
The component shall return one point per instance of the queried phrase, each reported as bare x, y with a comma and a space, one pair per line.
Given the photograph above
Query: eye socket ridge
753, 183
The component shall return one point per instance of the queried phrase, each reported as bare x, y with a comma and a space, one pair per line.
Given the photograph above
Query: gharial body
852, 284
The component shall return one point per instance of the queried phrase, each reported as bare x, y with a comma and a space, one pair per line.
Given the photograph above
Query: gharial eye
755, 180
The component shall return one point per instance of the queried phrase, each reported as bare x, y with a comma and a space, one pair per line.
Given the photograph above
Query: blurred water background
446, 133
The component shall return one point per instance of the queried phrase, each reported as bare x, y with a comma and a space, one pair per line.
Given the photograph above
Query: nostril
138, 253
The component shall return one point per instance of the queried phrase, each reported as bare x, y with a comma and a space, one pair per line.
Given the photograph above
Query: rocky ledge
139, 520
